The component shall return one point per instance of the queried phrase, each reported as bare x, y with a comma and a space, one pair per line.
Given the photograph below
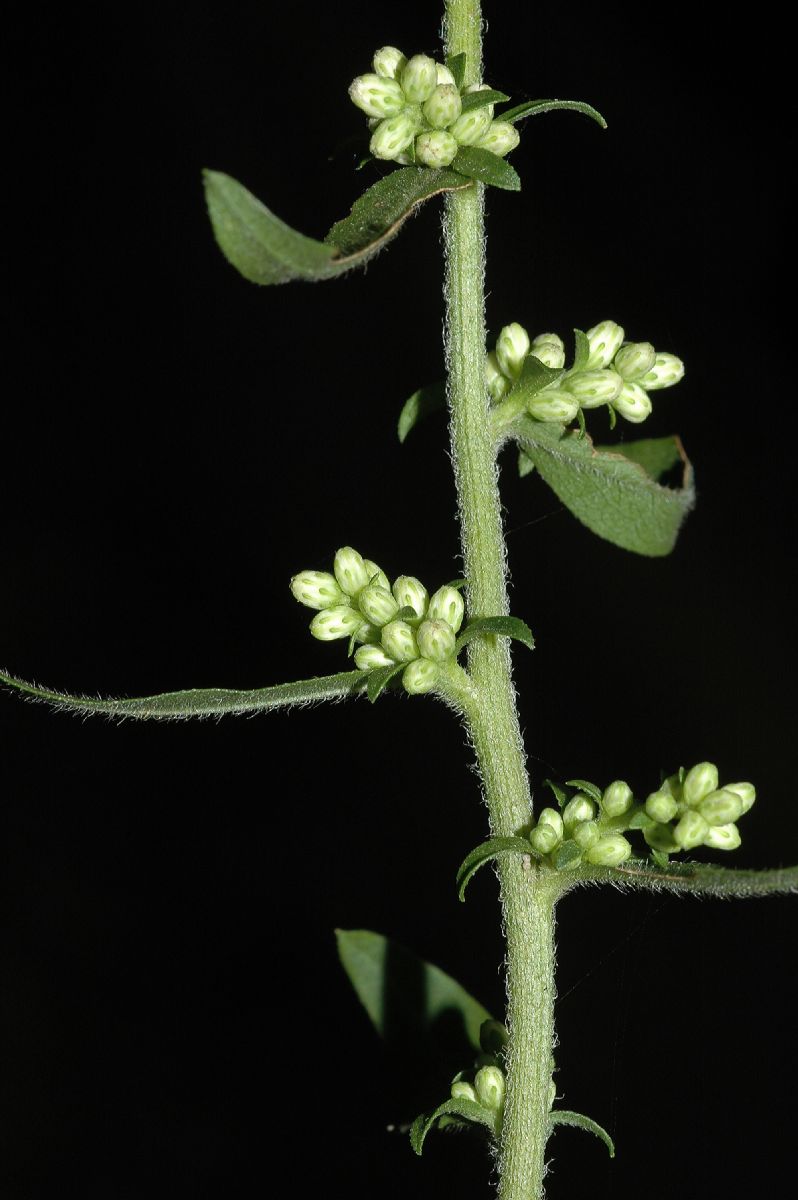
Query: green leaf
404, 996
533, 108
563, 1117
476, 163
699, 878
265, 250
512, 627
581, 350
457, 65
559, 794
584, 785
659, 858
640, 820
493, 848
201, 702
534, 377
458, 584
568, 854
525, 464
606, 490
656, 456
468, 1110
419, 406
380, 678
480, 99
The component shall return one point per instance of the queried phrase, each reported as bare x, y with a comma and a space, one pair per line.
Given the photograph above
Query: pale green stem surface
490, 710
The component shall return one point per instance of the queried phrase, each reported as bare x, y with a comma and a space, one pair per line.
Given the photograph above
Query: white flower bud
617, 798
660, 837
609, 851
550, 816
369, 658
334, 623
498, 384
500, 139
594, 388
392, 136
399, 641
544, 838
691, 830
436, 148
550, 349
633, 403
723, 837
585, 834
389, 62
435, 640
699, 781
634, 360
463, 1091
512, 347
410, 592
447, 605
376, 576
443, 74
317, 589
350, 570
746, 792
377, 605
377, 96
721, 807
419, 78
489, 1086
443, 106
578, 809
667, 370
661, 806
471, 126
605, 341
553, 404
420, 676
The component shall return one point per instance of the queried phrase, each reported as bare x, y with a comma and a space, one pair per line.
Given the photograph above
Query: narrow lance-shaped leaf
480, 99
495, 847
563, 1117
701, 879
380, 678
468, 1110
512, 627
476, 163
533, 108
457, 65
419, 406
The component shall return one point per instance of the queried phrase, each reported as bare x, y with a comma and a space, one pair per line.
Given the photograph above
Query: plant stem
527, 896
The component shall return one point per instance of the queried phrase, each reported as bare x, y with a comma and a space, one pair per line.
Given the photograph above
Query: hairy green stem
490, 709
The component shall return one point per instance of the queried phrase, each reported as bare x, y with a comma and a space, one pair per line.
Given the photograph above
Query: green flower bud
369, 658
500, 139
609, 851
443, 74
699, 781
420, 676
666, 371
660, 837
392, 136
350, 570
334, 623
377, 96
634, 360
512, 347
389, 62
497, 383
585, 834
399, 641
367, 634
471, 126
435, 149
578, 809
746, 792
553, 404
605, 341
594, 388
617, 798
317, 589
661, 806
544, 838
550, 816
377, 605
447, 605
549, 348
464, 1091
691, 830
633, 403
443, 106
410, 592
489, 1086
435, 640
723, 837
419, 78
721, 807
376, 576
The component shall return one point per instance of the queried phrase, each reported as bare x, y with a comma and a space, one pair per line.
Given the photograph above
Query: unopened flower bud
632, 403
579, 808
399, 641
500, 139
691, 830
605, 341
550, 816
447, 605
419, 78
553, 404
471, 126
376, 576
350, 570
609, 851
317, 589
594, 388
721, 807
585, 834
723, 837
377, 96
699, 781
334, 623
489, 1086
666, 371
498, 384
443, 106
464, 1091
634, 360
746, 792
435, 640
660, 837
512, 347
443, 74
436, 149
369, 658
377, 605
549, 348
544, 838
410, 592
661, 806
617, 798
389, 62
392, 136
420, 676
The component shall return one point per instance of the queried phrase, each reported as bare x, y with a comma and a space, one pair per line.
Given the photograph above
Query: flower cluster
617, 373
692, 809
393, 624
485, 1084
417, 113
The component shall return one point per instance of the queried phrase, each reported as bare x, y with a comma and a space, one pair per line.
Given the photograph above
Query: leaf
480, 99
701, 879
512, 627
380, 678
640, 820
201, 702
533, 108
568, 854
457, 65
457, 584
585, 786
493, 848
559, 795
265, 250
656, 456
563, 1117
467, 1109
476, 163
419, 406
581, 350
534, 377
659, 858
404, 996
608, 492
525, 464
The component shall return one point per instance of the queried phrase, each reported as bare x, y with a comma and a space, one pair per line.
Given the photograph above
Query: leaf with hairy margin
494, 847
476, 163
474, 100
419, 406
562, 1116
534, 108
380, 678
468, 1110
511, 627
700, 879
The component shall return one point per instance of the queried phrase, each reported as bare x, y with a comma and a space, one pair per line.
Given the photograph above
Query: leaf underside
564, 1117
493, 848
512, 627
469, 1110
700, 879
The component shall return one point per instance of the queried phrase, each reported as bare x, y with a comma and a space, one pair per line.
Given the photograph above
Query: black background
177, 443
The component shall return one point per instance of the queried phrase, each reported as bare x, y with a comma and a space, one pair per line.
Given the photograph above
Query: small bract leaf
581, 350
525, 464
469, 1110
584, 785
480, 99
512, 627
457, 65
476, 163
457, 584
380, 678
419, 406
568, 854
563, 1117
533, 108
485, 853
534, 377
559, 794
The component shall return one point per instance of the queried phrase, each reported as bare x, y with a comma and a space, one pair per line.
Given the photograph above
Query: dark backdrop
177, 443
